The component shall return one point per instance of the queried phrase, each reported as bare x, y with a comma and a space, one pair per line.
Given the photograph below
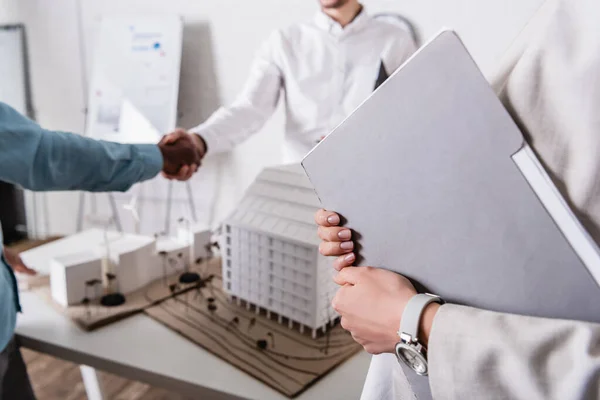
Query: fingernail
349, 257
345, 234
347, 245
333, 219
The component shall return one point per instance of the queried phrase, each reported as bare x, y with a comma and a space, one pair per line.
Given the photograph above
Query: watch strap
411, 317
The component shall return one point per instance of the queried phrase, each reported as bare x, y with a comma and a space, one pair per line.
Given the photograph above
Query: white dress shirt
325, 72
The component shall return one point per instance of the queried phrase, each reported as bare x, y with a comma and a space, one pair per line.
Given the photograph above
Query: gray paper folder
436, 178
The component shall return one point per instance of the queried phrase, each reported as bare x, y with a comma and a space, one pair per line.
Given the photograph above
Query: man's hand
183, 171
337, 241
181, 155
14, 261
371, 302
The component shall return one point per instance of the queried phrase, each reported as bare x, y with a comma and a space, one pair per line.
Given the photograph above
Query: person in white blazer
551, 86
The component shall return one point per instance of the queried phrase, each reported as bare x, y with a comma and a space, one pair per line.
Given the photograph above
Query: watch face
411, 357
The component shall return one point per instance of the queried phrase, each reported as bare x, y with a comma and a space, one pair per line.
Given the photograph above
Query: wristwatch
409, 350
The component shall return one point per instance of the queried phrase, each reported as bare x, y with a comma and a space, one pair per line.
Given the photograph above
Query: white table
140, 348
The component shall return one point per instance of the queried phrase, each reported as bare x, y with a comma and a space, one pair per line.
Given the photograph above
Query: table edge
126, 371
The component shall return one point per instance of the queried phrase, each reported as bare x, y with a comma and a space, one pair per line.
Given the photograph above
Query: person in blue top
40, 159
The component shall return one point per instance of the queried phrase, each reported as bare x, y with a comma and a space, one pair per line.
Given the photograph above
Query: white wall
219, 41
8, 11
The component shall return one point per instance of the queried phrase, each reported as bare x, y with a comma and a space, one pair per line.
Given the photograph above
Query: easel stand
113, 207
115, 212
190, 194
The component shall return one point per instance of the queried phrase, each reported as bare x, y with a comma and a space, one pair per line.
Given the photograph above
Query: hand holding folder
444, 190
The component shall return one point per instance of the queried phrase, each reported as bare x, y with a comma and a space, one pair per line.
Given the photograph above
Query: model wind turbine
132, 207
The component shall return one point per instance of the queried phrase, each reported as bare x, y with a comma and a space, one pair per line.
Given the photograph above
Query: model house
270, 250
172, 248
133, 260
69, 275
197, 237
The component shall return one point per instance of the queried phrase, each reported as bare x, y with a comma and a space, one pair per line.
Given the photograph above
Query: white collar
325, 22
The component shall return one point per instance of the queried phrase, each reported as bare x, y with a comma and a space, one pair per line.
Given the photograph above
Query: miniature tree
163, 255
96, 285
209, 251
86, 304
235, 322
188, 277
173, 288
114, 297
199, 288
269, 334
93, 285
251, 324
212, 307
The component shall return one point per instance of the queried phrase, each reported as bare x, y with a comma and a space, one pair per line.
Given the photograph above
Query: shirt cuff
151, 160
214, 143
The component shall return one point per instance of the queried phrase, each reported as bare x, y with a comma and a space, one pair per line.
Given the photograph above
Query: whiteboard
135, 79
13, 84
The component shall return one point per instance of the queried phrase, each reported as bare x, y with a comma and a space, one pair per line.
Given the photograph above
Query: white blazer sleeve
476, 354
550, 85
229, 126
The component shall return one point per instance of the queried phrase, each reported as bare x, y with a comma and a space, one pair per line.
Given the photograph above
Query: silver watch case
410, 352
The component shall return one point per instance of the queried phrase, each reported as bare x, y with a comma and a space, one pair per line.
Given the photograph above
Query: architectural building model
68, 275
269, 264
121, 263
134, 262
196, 237
271, 254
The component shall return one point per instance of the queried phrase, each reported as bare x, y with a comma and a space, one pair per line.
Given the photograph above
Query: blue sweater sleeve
40, 159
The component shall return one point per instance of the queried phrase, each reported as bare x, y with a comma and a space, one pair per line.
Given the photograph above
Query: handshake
182, 154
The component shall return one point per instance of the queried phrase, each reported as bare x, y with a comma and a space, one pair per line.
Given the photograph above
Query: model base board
95, 315
267, 347
248, 338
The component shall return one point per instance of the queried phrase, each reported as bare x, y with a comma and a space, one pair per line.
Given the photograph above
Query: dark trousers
14, 381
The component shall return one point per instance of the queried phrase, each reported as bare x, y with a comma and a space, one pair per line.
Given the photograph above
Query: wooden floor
55, 379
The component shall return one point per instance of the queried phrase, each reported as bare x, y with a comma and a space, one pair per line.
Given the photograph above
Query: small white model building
173, 247
197, 237
134, 260
270, 250
69, 274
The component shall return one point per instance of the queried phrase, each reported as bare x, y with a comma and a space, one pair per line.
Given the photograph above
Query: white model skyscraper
271, 251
